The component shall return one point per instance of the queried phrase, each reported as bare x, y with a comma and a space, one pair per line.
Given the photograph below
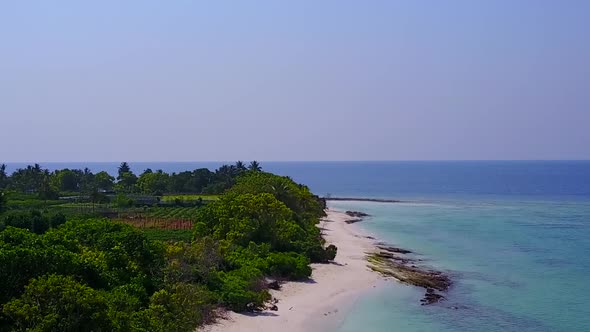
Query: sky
297, 80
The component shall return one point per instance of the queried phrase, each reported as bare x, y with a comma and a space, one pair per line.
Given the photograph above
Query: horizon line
289, 161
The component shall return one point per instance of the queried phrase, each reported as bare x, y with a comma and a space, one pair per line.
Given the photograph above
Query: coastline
321, 303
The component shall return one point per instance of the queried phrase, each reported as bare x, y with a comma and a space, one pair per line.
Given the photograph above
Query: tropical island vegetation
156, 252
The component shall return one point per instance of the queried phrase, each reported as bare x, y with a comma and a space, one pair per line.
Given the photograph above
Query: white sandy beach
322, 303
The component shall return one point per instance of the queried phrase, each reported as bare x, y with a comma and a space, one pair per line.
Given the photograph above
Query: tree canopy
78, 273
35, 180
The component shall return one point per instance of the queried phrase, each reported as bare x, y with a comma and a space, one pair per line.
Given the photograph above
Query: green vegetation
35, 180
171, 235
32, 220
189, 198
125, 261
3, 200
174, 213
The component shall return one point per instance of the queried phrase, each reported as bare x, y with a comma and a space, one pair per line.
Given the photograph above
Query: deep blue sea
515, 236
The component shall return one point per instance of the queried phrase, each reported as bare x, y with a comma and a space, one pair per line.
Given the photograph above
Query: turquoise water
514, 235
518, 265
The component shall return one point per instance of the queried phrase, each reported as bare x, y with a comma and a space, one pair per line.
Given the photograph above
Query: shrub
242, 289
34, 221
196, 262
58, 303
254, 256
122, 201
288, 265
331, 251
181, 307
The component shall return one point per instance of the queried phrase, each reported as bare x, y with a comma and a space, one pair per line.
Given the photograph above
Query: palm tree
240, 166
123, 168
3, 176
255, 166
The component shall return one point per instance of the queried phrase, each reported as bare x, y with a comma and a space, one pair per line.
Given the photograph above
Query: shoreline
321, 303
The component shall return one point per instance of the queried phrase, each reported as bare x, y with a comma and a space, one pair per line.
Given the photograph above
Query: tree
33, 220
240, 166
58, 303
97, 197
258, 218
127, 181
3, 177
180, 307
297, 197
255, 166
153, 183
3, 201
46, 189
66, 180
123, 168
200, 178
122, 201
87, 180
104, 181
226, 175
27, 179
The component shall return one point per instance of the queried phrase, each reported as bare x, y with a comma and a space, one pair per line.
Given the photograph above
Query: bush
242, 289
195, 263
24, 256
34, 221
288, 265
124, 301
317, 253
181, 307
58, 303
122, 252
254, 256
122, 201
331, 251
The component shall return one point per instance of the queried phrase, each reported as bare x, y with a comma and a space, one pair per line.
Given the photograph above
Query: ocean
514, 236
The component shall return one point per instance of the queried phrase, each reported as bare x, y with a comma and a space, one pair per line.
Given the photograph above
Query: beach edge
321, 303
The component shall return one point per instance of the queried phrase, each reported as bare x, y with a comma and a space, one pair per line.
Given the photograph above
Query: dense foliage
32, 220
91, 274
47, 185
2, 202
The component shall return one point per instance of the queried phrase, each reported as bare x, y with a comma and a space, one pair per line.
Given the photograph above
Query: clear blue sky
297, 80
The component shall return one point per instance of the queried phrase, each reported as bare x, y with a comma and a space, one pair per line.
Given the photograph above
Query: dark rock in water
387, 262
394, 249
393, 257
431, 297
385, 255
274, 285
352, 221
357, 214
370, 237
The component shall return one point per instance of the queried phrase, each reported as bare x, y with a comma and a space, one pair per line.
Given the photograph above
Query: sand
321, 303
